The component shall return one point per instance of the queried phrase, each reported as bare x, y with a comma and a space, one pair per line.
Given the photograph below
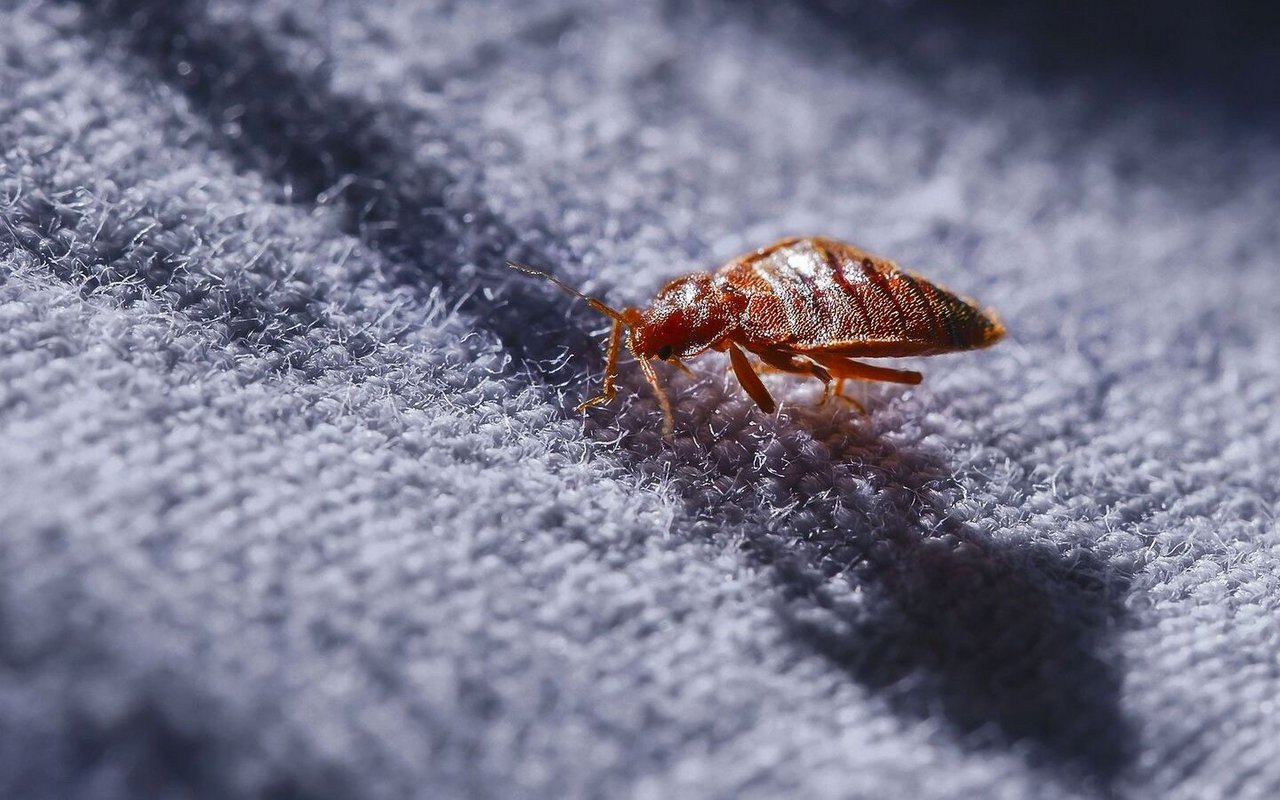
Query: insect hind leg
784, 361
844, 368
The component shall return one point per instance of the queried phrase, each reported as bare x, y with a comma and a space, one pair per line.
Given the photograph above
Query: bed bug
810, 306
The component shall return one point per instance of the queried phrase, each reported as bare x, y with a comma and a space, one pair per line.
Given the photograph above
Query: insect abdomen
821, 294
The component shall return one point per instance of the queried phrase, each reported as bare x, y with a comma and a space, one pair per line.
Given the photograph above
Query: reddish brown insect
808, 306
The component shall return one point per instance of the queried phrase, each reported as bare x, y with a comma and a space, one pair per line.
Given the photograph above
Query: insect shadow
360, 159
1009, 641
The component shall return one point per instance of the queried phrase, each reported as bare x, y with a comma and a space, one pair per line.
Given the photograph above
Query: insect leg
668, 420
750, 380
839, 392
784, 361
607, 390
844, 367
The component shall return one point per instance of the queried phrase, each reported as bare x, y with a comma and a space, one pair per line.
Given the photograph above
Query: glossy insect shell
811, 295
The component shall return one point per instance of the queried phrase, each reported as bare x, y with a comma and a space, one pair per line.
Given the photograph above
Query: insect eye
664, 352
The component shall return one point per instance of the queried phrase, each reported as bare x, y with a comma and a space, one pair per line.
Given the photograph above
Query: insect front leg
607, 391
668, 419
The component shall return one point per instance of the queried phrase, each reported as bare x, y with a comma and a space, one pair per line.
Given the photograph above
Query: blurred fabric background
293, 502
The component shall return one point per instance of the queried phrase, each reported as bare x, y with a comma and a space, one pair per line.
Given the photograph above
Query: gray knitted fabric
293, 502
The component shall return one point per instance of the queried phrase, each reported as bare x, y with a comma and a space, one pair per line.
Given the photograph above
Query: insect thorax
688, 315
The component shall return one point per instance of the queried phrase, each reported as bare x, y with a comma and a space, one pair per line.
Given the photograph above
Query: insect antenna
598, 305
620, 319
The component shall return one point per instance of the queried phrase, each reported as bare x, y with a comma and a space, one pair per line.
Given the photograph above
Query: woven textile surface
293, 500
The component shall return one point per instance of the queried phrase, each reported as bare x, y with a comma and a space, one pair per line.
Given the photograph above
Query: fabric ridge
293, 502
